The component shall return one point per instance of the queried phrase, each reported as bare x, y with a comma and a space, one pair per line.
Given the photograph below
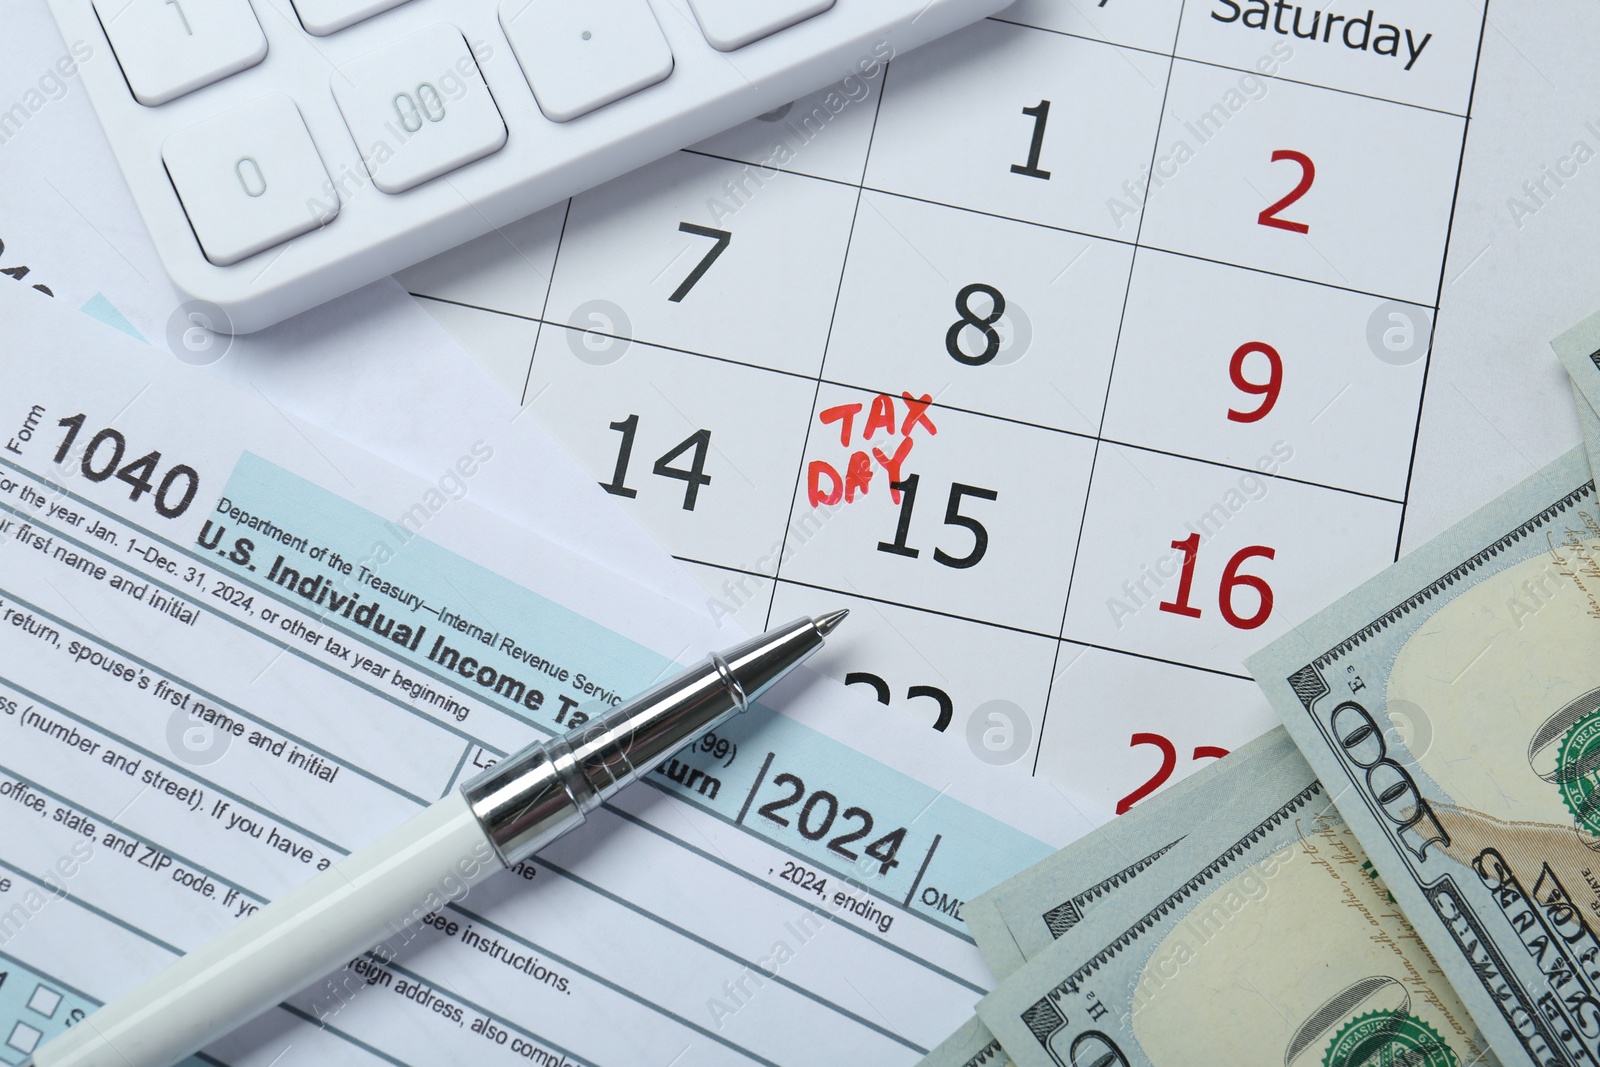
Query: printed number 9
1267, 390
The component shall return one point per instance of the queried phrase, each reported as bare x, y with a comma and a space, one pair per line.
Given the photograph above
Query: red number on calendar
1169, 763
1231, 581
1308, 173
1267, 390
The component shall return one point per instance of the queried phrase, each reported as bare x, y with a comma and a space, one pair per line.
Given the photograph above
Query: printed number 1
722, 238
1040, 114
181, 17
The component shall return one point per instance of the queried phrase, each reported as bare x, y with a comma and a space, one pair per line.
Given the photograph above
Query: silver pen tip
830, 622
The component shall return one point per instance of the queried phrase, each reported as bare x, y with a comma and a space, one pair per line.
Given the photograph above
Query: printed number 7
722, 238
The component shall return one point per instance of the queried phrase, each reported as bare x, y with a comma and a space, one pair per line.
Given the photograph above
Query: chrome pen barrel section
534, 796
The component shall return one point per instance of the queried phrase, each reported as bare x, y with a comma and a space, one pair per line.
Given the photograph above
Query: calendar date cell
975, 517
1218, 362
1202, 564
937, 671
711, 480
1302, 181
959, 114
721, 259
1120, 728
990, 315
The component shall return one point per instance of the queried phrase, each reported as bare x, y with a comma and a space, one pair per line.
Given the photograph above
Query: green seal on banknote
1577, 761
1388, 1039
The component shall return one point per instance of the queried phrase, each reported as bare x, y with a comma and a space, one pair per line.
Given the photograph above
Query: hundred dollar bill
1281, 949
1073, 882
1027, 913
1579, 352
971, 1046
1042, 903
1453, 705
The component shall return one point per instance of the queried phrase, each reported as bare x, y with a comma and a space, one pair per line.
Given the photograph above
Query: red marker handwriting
824, 483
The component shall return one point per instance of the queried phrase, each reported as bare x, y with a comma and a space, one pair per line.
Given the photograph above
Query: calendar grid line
958, 617
838, 293
1195, 257
1105, 403
1444, 261
1222, 66
937, 405
544, 308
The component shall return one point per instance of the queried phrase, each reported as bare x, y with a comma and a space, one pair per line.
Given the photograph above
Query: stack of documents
234, 648
1406, 875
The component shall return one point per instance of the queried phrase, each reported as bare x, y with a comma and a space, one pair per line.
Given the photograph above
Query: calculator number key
583, 56
730, 24
418, 108
246, 178
322, 17
167, 48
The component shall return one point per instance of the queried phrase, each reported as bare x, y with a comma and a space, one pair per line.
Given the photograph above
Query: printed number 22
1169, 763
1308, 174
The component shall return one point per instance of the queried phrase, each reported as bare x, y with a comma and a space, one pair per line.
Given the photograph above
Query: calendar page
1079, 353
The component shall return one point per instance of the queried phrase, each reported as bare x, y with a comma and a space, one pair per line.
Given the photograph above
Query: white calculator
283, 152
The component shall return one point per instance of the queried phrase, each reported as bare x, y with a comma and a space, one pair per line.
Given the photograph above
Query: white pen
495, 820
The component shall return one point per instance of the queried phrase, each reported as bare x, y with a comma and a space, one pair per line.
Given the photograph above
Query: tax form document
234, 648
1080, 352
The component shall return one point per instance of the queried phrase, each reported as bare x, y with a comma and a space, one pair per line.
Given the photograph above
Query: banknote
1067, 885
1579, 352
1452, 705
971, 1046
1281, 948
1043, 902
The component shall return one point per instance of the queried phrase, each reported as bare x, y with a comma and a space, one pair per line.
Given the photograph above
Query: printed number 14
694, 476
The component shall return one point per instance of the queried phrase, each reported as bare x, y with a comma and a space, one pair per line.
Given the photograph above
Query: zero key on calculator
246, 176
171, 47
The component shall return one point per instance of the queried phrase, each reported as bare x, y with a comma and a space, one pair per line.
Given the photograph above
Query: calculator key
730, 24
579, 56
246, 178
171, 47
418, 108
322, 17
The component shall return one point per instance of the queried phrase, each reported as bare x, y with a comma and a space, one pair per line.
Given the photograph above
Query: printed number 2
1308, 174
880, 689
722, 238
1169, 763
